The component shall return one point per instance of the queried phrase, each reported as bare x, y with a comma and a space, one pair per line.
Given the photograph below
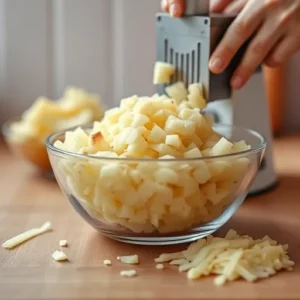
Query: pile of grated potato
230, 258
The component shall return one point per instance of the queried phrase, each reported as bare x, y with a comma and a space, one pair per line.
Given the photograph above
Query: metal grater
187, 43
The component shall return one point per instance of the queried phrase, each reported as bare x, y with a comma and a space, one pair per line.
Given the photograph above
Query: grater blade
185, 43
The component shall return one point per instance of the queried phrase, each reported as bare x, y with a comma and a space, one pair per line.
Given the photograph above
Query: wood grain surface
29, 272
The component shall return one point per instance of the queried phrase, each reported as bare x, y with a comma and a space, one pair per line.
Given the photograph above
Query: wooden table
29, 272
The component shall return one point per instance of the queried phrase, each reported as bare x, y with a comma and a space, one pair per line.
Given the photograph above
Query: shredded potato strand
230, 258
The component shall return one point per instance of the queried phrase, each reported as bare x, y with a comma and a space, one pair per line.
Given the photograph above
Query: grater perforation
185, 44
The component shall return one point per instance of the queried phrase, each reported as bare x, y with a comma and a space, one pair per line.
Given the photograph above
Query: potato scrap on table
27, 235
63, 243
107, 262
231, 257
129, 259
128, 273
159, 266
59, 256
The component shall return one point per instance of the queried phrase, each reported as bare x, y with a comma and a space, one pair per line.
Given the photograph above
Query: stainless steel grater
187, 43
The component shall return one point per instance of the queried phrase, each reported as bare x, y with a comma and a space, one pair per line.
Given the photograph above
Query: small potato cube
222, 147
144, 108
157, 135
164, 149
185, 113
129, 103
135, 136
59, 256
193, 153
240, 146
125, 120
137, 149
166, 176
176, 126
160, 118
177, 91
162, 72
191, 146
109, 173
195, 97
174, 141
201, 174
145, 191
76, 140
139, 120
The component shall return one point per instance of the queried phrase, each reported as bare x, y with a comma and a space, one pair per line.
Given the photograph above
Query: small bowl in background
32, 150
158, 201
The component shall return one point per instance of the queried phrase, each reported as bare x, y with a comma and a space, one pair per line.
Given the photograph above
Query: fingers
256, 53
240, 30
235, 7
175, 8
285, 49
165, 5
218, 6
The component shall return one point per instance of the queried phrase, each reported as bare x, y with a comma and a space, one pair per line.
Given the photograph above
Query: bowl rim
51, 138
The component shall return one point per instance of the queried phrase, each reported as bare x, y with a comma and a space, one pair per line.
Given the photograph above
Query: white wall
104, 46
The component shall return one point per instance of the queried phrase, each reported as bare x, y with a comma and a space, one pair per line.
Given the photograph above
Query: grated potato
27, 235
230, 258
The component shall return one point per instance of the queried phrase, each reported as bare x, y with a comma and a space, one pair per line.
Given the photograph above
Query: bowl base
162, 241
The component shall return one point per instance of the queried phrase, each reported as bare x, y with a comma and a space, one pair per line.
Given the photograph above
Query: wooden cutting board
29, 272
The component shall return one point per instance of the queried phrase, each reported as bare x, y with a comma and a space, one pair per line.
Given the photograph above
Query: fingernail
237, 82
216, 64
174, 10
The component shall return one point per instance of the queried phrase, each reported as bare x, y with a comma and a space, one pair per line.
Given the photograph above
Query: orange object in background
275, 89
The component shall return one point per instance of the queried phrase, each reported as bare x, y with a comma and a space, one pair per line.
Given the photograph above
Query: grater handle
197, 7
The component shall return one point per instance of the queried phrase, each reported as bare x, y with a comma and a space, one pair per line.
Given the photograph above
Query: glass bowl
158, 201
32, 150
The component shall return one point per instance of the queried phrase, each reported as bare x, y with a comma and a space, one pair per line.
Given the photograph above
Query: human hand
176, 8
275, 25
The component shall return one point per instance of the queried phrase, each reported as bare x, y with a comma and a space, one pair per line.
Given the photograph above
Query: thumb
218, 6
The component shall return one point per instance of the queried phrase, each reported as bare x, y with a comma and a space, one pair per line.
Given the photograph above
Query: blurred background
104, 46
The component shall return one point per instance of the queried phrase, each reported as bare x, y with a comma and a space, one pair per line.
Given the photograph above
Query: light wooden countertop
29, 272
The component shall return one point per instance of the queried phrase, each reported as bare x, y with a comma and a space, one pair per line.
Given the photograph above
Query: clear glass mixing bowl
158, 201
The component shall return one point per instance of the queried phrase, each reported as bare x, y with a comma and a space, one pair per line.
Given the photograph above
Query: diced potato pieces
177, 91
157, 135
163, 72
195, 97
240, 146
222, 147
193, 153
174, 141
